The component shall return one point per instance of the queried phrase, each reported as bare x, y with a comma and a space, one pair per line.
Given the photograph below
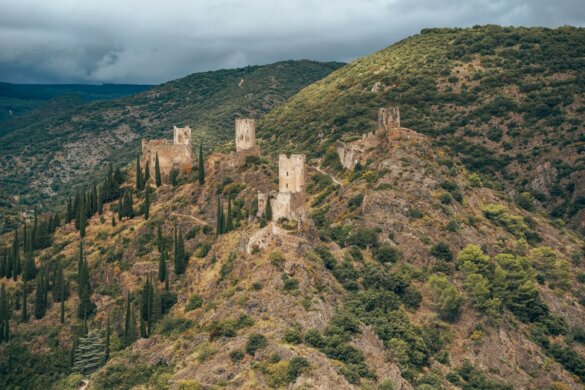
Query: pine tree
39, 297
29, 270
138, 175
268, 210
157, 178
24, 304
180, 265
147, 203
201, 165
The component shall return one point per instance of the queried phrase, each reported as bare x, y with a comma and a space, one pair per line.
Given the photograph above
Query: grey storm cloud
147, 41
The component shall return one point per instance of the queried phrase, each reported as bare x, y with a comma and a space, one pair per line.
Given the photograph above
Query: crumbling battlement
388, 128
245, 134
388, 118
176, 154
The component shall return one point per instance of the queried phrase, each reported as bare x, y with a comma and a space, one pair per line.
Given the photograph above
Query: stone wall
291, 173
245, 134
176, 155
388, 118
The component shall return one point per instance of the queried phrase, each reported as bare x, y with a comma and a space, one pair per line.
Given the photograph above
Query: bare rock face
545, 176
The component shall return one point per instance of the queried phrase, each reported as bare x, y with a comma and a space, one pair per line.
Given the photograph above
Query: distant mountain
41, 159
36, 101
509, 102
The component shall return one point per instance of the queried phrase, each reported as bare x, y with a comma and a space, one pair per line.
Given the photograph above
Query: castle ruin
351, 153
289, 201
245, 134
171, 155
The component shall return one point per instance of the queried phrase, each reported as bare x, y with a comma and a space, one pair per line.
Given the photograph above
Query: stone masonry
245, 134
176, 154
289, 201
351, 153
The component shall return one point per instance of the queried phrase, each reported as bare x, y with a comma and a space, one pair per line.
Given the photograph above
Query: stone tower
291, 173
182, 135
245, 134
388, 118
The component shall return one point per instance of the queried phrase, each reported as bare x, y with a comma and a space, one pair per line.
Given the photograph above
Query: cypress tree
61, 288
9, 264
107, 347
3, 314
29, 270
120, 208
62, 311
201, 169
157, 178
80, 262
35, 232
94, 199
39, 297
82, 217
174, 174
113, 220
130, 325
219, 227
86, 307
180, 265
162, 265
229, 223
15, 256
268, 210
75, 209
156, 312
167, 288
159, 238
3, 260
69, 215
138, 175
147, 172
147, 203
24, 308
100, 201
25, 239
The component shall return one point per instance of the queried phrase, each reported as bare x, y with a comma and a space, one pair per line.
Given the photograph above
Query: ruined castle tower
388, 118
291, 173
175, 155
289, 202
182, 135
245, 134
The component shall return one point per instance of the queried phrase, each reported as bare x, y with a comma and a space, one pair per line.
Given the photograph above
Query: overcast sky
144, 41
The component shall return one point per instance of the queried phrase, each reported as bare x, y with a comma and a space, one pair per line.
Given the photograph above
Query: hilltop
43, 158
409, 267
506, 101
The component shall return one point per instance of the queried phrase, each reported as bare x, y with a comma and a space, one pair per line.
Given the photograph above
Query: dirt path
84, 384
200, 221
318, 169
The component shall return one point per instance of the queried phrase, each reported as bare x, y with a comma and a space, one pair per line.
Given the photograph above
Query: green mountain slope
508, 101
39, 160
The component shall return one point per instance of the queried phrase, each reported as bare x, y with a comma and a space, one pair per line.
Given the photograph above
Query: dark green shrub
255, 343
386, 253
441, 251
236, 355
195, 302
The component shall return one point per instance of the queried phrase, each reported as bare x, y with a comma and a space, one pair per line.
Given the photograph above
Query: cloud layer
152, 41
